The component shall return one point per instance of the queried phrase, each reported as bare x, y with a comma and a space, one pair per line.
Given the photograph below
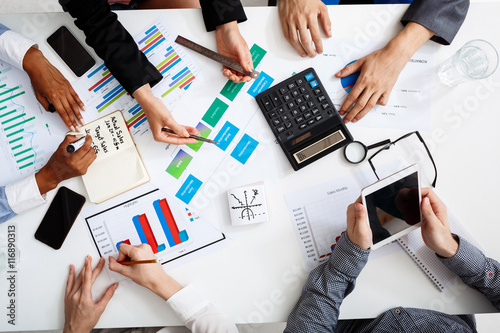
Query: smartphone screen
71, 51
60, 217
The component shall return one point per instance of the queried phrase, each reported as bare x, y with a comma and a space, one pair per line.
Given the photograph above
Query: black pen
199, 138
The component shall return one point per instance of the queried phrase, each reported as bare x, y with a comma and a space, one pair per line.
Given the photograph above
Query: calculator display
319, 146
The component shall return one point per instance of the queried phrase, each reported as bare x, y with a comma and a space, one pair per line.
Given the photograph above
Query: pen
199, 138
136, 262
72, 147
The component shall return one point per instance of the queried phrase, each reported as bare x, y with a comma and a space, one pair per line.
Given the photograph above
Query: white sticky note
248, 204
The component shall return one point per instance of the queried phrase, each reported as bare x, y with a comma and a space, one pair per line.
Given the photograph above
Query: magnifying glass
355, 152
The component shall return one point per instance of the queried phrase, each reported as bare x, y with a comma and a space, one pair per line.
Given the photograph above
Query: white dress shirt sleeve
24, 195
198, 314
13, 47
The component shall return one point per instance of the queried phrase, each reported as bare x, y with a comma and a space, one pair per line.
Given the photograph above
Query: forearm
476, 270
409, 40
317, 309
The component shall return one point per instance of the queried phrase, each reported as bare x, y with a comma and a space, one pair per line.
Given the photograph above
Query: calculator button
317, 91
280, 129
321, 98
299, 119
299, 82
267, 103
307, 115
329, 112
295, 113
287, 97
318, 118
313, 84
309, 76
303, 89
315, 111
291, 105
273, 114
302, 126
295, 93
306, 96
310, 122
302, 108
276, 122
291, 86
325, 106
280, 110
283, 90
275, 98
288, 125
285, 118
299, 100
290, 133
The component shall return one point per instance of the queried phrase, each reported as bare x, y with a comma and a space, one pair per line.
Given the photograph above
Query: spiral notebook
427, 259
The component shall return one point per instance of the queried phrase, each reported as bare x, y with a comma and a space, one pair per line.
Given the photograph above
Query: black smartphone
71, 51
60, 217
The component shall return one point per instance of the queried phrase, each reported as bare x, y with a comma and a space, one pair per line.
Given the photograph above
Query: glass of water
476, 60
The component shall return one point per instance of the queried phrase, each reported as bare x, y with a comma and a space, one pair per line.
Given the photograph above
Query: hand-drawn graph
248, 204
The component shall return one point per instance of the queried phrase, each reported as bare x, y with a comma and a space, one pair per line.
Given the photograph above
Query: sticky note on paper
248, 204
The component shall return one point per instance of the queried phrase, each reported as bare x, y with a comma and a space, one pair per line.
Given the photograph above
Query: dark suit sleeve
443, 17
113, 43
219, 12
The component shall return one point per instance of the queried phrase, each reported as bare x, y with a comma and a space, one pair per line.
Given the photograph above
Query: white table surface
258, 277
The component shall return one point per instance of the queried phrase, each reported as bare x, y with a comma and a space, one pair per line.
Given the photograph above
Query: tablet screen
394, 208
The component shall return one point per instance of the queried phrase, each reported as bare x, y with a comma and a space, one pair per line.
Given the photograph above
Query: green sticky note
179, 164
215, 112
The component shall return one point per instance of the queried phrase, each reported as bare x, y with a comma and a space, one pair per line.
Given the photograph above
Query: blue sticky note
244, 149
263, 82
189, 189
226, 135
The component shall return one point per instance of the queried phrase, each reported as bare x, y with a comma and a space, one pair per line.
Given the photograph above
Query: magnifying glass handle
378, 144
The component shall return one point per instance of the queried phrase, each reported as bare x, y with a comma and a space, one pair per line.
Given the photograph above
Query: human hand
231, 44
158, 117
358, 230
51, 87
63, 165
302, 15
150, 276
81, 313
435, 229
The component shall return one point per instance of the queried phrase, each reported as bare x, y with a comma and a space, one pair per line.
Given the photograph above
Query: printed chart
222, 111
149, 217
409, 105
29, 134
102, 93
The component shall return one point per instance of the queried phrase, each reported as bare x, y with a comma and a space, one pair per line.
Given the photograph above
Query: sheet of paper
222, 111
409, 105
29, 135
318, 215
102, 94
248, 204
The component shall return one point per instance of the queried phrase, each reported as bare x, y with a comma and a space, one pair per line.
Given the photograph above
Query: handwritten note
108, 136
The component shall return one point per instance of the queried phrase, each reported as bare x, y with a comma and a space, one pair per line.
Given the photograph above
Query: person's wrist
29, 63
227, 26
165, 286
449, 248
46, 179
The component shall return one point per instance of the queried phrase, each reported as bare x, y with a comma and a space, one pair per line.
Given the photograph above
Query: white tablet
393, 205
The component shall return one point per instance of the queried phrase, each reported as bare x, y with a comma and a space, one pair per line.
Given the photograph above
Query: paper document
409, 105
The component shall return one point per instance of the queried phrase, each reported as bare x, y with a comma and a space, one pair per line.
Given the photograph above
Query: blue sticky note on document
244, 148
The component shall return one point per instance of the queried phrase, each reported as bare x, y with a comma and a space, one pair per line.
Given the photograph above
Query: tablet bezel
383, 183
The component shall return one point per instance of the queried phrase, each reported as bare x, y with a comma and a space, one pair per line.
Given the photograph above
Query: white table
258, 278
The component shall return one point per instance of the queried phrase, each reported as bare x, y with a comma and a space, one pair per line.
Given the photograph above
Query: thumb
103, 302
115, 266
349, 69
245, 58
178, 129
427, 211
360, 215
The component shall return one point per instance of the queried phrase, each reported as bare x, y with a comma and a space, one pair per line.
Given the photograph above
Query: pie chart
349, 81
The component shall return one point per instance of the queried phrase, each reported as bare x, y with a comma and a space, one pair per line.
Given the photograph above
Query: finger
98, 269
64, 116
351, 99
69, 111
293, 38
87, 277
77, 98
245, 58
437, 205
115, 266
175, 140
76, 109
42, 100
325, 21
368, 107
361, 216
383, 99
71, 280
428, 212
85, 149
305, 40
315, 34
78, 281
103, 302
360, 103
350, 69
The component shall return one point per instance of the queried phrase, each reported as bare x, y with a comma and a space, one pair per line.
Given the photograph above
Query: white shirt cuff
187, 302
13, 47
24, 195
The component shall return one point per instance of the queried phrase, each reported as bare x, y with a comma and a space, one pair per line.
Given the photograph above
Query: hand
51, 87
435, 229
158, 116
150, 276
358, 230
231, 44
379, 71
81, 313
302, 15
63, 165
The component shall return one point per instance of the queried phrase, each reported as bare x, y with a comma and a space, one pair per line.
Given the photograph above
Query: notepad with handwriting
427, 259
118, 166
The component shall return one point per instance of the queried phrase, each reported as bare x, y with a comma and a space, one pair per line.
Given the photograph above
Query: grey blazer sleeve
443, 17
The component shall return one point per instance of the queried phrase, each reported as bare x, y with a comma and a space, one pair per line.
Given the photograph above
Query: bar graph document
28, 134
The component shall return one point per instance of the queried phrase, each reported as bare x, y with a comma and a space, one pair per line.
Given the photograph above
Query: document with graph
29, 135
318, 214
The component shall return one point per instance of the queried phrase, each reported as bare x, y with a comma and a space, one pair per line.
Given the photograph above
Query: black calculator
303, 118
